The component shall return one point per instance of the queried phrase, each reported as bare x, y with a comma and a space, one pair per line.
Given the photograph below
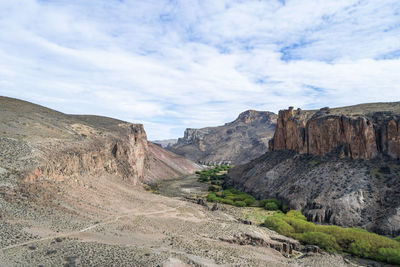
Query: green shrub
397, 238
211, 197
360, 248
227, 201
296, 214
271, 206
279, 225
300, 225
226, 193
250, 201
268, 200
240, 203
389, 255
322, 240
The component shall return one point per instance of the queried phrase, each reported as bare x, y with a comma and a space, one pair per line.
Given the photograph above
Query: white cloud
178, 64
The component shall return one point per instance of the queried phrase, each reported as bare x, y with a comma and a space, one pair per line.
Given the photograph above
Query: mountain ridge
235, 142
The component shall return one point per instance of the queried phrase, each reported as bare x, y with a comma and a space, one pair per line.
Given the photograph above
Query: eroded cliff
39, 144
359, 132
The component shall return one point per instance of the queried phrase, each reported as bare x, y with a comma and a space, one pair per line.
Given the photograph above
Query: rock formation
338, 166
42, 144
236, 142
359, 132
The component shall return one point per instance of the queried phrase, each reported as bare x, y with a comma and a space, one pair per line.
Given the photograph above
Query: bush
268, 200
389, 255
250, 201
279, 225
240, 203
360, 248
358, 242
397, 238
227, 201
211, 197
322, 240
271, 206
300, 225
296, 214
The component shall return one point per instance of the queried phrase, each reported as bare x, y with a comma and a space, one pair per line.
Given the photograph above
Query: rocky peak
251, 115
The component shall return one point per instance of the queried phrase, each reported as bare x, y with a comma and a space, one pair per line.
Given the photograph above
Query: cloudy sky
178, 64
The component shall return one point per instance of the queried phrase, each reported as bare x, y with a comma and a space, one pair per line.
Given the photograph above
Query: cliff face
311, 166
359, 133
236, 142
39, 144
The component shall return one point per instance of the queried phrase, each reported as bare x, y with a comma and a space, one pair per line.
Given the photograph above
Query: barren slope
42, 144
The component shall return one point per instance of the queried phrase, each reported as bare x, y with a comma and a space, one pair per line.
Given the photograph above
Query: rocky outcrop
124, 154
236, 142
42, 144
312, 166
284, 245
359, 132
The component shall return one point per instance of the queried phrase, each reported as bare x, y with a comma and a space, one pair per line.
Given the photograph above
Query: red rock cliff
363, 131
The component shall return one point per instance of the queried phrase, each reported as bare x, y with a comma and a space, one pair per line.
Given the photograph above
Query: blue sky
178, 64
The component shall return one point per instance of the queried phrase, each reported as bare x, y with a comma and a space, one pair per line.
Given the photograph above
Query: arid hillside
38, 143
237, 142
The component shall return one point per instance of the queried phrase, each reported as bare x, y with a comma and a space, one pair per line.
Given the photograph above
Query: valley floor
101, 221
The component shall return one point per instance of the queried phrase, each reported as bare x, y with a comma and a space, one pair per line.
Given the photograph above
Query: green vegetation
334, 238
257, 215
397, 238
273, 204
231, 197
214, 176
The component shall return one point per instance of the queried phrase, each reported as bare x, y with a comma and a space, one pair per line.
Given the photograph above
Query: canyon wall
237, 142
338, 166
359, 133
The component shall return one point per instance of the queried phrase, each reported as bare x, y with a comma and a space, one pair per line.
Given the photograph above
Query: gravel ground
105, 222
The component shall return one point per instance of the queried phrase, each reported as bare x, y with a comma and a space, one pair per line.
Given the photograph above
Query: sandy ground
102, 221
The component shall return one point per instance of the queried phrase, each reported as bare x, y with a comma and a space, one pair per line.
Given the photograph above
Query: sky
173, 65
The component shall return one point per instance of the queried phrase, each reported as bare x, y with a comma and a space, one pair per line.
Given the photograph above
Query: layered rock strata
42, 144
359, 132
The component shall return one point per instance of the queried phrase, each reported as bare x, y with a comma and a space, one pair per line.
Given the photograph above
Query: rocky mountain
38, 143
339, 166
165, 143
236, 142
